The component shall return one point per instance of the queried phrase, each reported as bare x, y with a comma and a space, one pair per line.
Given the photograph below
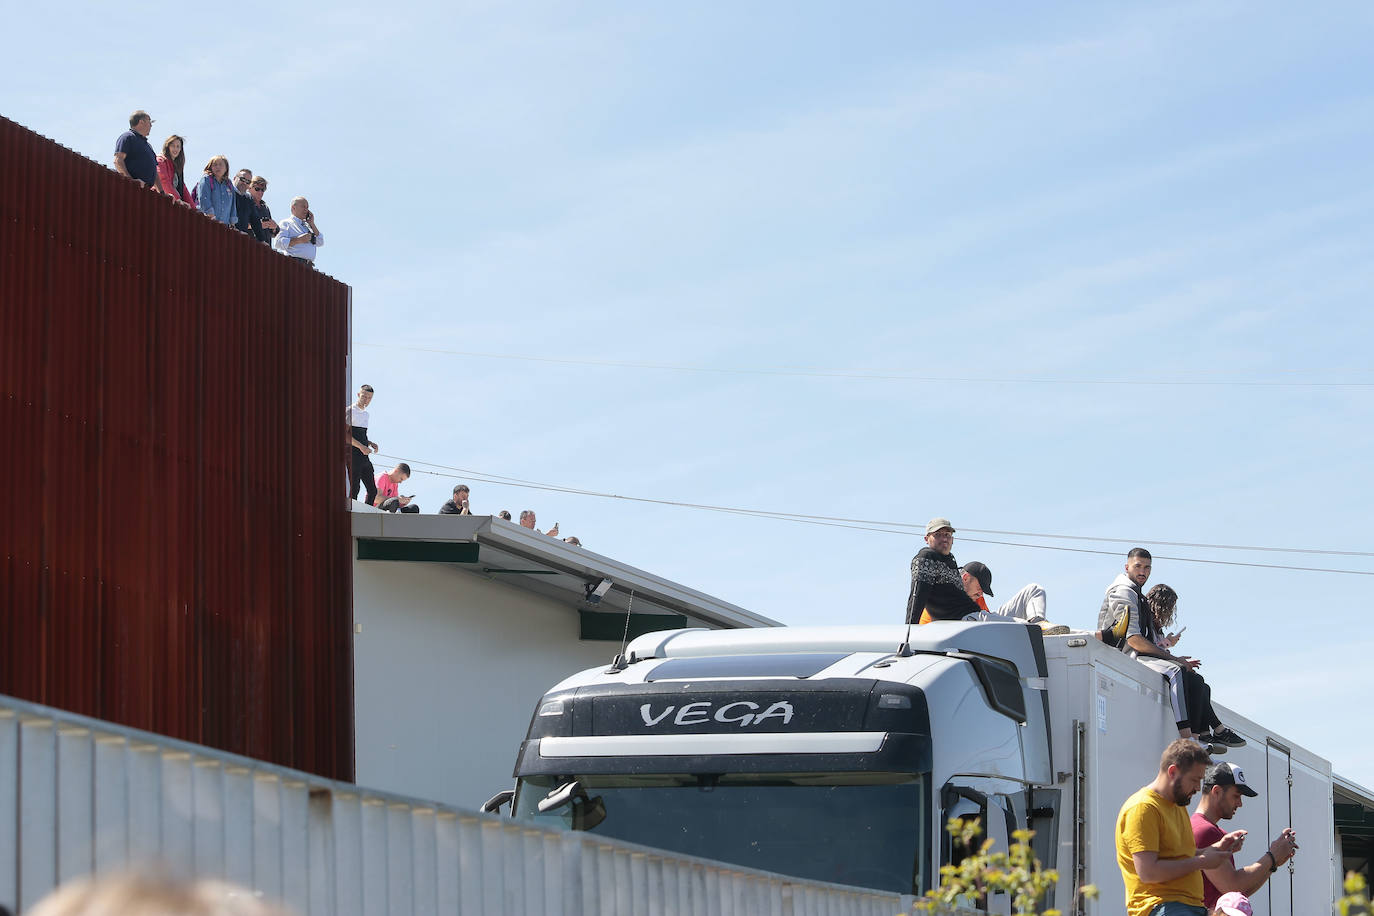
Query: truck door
964, 799
1278, 796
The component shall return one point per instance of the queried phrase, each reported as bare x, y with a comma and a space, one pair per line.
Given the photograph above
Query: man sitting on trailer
1223, 792
1129, 623
1160, 861
1026, 606
937, 589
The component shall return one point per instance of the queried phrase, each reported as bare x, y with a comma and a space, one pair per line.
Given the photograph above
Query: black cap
982, 574
1227, 774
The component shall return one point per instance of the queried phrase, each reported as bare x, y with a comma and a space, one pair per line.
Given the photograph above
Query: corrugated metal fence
175, 547
79, 796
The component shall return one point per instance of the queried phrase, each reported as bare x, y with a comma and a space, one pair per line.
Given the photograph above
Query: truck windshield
863, 829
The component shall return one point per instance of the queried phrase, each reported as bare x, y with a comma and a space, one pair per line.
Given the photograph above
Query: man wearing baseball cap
1026, 606
1223, 792
937, 588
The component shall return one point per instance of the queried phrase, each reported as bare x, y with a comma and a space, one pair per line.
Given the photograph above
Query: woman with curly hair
1190, 695
216, 195
171, 170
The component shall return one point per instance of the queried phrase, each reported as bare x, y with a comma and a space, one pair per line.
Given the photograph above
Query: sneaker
1227, 737
1053, 629
1213, 750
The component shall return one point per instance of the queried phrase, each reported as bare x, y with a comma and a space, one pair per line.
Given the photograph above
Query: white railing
79, 796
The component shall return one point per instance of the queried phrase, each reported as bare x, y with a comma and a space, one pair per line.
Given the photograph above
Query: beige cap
935, 524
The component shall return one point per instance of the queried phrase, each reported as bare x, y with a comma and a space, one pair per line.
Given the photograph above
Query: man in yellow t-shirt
1160, 863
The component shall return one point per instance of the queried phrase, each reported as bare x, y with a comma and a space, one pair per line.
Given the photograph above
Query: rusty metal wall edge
174, 555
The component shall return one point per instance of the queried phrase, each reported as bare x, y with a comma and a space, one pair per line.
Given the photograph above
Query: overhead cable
876, 374
904, 529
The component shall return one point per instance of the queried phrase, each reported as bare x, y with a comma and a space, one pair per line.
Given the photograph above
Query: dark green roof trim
600, 625
417, 551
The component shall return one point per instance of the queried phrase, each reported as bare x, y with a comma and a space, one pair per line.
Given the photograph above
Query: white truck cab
839, 754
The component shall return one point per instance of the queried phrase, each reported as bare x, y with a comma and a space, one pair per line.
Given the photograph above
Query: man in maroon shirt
1223, 792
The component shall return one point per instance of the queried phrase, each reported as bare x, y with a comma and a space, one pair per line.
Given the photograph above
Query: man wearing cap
937, 587
1027, 605
1223, 791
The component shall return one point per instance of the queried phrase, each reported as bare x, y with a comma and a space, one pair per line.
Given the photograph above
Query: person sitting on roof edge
389, 498
458, 505
937, 589
1129, 623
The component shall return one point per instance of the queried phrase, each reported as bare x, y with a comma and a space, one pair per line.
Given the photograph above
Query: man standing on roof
361, 448
1160, 862
1222, 789
937, 588
134, 157
297, 235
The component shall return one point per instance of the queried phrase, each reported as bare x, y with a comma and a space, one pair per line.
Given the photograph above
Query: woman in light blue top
215, 195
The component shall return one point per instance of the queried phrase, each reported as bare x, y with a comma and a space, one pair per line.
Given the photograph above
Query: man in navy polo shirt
134, 157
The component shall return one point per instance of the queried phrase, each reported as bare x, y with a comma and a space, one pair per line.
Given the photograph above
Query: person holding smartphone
299, 236
389, 496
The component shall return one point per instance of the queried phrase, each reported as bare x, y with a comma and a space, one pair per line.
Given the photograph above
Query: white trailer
839, 754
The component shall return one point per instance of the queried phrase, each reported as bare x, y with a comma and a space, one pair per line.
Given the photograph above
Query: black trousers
1197, 693
361, 472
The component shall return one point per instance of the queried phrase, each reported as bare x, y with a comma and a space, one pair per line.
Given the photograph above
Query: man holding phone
1223, 792
299, 236
389, 496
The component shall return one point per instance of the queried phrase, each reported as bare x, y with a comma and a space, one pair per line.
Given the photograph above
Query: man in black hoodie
937, 589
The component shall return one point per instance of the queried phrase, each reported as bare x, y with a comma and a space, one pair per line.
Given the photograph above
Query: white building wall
448, 666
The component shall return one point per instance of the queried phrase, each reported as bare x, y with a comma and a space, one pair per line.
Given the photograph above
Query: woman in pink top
171, 167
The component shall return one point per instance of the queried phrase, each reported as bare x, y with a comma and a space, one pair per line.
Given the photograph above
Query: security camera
594, 593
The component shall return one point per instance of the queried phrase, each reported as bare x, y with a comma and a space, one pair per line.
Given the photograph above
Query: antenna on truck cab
904, 650
620, 663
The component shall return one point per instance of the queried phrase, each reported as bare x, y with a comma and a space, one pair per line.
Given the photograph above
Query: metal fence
80, 796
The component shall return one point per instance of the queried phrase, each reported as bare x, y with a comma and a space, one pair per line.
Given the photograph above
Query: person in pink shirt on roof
171, 170
389, 496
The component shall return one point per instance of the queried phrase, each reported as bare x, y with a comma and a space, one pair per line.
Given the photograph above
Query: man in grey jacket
1127, 623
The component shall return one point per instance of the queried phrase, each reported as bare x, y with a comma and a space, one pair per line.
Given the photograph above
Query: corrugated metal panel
175, 546
79, 796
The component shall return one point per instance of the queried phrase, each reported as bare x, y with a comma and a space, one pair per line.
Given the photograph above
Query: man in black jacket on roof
249, 223
937, 589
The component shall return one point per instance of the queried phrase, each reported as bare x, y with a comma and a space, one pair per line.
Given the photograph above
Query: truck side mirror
498, 801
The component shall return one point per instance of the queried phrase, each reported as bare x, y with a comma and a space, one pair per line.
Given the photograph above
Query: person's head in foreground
1233, 904
153, 895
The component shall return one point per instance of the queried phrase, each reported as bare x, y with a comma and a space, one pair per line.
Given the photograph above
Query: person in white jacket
299, 236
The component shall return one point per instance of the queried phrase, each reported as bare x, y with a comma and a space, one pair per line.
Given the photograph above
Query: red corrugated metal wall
175, 543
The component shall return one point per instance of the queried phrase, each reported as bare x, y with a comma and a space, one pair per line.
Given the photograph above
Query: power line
876, 374
904, 529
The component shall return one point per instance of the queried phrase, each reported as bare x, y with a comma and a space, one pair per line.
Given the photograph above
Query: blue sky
1116, 196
